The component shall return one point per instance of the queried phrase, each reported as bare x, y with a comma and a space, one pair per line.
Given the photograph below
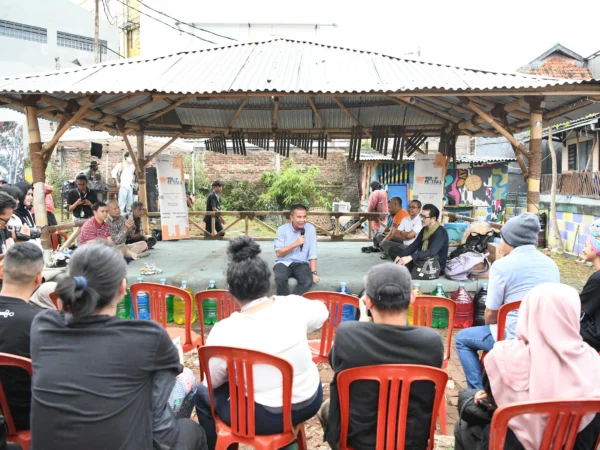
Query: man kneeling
384, 339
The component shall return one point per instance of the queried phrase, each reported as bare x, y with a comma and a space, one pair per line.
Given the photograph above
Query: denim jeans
468, 342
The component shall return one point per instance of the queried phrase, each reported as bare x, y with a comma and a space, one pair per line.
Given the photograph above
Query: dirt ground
572, 272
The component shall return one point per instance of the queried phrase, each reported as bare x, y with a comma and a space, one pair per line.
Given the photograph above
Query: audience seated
121, 229
100, 382
392, 237
82, 199
385, 339
23, 266
432, 241
271, 324
511, 278
547, 360
96, 229
137, 211
590, 295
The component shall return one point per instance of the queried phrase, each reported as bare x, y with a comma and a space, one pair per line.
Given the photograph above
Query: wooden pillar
142, 180
38, 169
535, 155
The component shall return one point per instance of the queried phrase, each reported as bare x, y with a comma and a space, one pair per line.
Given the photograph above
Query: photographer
7, 238
80, 200
16, 228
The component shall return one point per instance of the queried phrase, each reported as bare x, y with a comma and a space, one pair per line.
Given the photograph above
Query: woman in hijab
590, 295
547, 360
23, 210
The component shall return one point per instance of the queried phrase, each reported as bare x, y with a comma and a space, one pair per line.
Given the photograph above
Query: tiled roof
559, 68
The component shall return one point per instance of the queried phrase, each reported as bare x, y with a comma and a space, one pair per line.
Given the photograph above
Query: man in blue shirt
511, 278
296, 253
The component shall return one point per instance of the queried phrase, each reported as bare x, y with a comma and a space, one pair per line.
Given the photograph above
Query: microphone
302, 231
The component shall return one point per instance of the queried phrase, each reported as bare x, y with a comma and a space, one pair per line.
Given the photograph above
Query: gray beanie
389, 285
521, 230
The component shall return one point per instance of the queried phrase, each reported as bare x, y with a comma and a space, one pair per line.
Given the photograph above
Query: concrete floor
201, 261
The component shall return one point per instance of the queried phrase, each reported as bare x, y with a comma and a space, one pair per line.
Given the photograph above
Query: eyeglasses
424, 217
4, 220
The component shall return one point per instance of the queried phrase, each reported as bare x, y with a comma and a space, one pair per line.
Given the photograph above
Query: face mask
128, 159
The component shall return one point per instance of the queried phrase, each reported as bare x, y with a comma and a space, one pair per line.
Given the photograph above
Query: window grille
79, 42
22, 31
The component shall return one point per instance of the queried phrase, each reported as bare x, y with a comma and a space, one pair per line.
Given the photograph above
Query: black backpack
475, 243
67, 187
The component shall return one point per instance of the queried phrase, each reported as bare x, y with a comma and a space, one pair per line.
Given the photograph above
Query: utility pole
97, 33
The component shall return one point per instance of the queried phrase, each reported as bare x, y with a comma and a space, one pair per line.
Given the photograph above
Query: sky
486, 35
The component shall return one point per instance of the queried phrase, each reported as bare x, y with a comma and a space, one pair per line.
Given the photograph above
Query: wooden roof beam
237, 113
582, 103
498, 127
49, 147
171, 107
417, 108
133, 155
275, 112
448, 104
120, 101
313, 106
148, 102
149, 159
349, 114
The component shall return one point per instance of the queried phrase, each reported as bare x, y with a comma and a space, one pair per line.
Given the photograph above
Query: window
79, 42
21, 31
573, 157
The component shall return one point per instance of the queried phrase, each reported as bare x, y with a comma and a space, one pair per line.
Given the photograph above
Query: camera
35, 233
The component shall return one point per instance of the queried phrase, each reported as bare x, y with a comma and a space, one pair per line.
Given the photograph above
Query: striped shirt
92, 230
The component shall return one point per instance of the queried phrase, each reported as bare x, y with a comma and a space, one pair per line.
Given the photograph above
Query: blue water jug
348, 312
143, 302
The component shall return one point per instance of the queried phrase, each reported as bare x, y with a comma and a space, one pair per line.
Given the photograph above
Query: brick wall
66, 163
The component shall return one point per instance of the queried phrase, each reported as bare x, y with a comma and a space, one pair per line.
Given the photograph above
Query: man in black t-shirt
212, 204
384, 339
80, 200
22, 276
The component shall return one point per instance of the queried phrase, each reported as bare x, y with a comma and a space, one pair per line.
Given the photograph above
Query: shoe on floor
385, 256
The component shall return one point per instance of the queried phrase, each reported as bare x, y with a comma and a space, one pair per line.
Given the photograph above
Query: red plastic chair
502, 314
158, 312
423, 316
55, 301
335, 302
226, 304
564, 417
394, 388
23, 438
55, 239
240, 375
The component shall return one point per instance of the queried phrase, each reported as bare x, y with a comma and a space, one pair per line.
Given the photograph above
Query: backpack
475, 242
67, 187
426, 269
461, 267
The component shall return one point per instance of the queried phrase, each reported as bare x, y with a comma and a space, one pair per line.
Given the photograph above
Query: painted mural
484, 187
12, 155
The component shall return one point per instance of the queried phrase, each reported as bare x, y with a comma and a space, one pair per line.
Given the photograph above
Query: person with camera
80, 200
13, 230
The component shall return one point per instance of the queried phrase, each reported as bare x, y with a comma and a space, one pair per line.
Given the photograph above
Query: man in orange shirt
386, 240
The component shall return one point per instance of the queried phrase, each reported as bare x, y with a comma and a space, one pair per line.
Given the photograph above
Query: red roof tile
559, 68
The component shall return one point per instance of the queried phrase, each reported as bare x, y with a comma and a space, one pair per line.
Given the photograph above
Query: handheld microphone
302, 231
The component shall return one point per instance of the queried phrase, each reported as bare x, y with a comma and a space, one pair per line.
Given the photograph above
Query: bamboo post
213, 221
246, 225
38, 169
142, 180
71, 239
535, 156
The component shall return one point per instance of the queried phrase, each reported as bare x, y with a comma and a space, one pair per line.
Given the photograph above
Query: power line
185, 23
166, 24
107, 12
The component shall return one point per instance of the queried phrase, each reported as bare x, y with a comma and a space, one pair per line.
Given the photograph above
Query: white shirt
125, 172
278, 330
409, 224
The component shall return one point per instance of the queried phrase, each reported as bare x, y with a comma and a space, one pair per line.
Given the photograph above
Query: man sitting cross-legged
137, 211
385, 339
23, 266
122, 228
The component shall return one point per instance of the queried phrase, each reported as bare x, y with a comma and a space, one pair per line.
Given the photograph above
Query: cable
164, 23
185, 23
110, 49
107, 12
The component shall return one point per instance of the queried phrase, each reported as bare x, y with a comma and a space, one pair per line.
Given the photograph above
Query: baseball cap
94, 163
389, 285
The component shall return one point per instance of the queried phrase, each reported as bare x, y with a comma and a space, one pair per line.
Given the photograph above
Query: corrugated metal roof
460, 159
279, 65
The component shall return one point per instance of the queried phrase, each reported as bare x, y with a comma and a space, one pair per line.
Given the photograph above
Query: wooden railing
583, 184
337, 233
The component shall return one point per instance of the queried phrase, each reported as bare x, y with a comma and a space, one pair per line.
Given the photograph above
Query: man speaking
296, 253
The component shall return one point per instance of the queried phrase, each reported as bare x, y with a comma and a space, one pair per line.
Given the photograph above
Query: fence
583, 184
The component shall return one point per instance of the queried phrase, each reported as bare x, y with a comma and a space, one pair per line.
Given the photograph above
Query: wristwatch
315, 272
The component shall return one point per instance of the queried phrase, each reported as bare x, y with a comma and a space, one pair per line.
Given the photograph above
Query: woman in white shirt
277, 325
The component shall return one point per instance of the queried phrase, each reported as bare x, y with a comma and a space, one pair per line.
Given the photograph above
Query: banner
429, 179
171, 191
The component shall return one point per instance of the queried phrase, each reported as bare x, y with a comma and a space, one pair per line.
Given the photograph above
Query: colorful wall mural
12, 154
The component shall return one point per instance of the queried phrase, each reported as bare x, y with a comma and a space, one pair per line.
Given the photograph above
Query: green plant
293, 185
240, 197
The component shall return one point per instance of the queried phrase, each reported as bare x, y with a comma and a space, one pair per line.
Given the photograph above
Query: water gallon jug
179, 306
439, 315
348, 311
479, 306
124, 306
169, 302
210, 307
143, 302
464, 307
411, 312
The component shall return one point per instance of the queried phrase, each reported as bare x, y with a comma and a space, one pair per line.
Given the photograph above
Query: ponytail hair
96, 271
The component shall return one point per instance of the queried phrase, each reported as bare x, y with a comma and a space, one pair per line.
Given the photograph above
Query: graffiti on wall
478, 186
12, 155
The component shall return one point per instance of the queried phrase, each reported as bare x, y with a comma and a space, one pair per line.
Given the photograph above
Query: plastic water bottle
210, 307
348, 311
439, 316
143, 301
169, 302
124, 306
464, 307
411, 311
179, 306
479, 306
